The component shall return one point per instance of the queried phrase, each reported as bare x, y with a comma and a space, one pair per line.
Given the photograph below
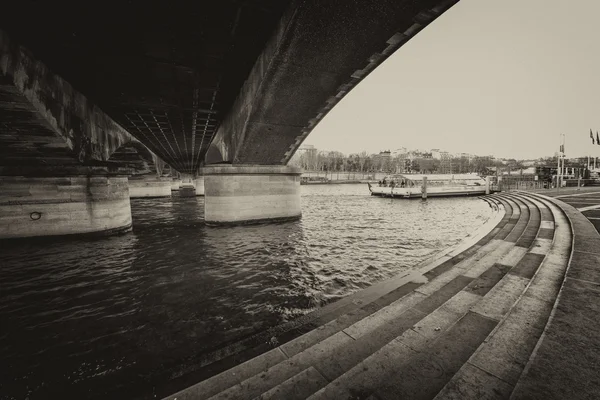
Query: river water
110, 317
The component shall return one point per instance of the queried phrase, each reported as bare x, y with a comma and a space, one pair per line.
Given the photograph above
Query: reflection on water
119, 317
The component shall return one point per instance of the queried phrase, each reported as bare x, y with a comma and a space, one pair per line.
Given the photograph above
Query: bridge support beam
149, 187
246, 194
51, 206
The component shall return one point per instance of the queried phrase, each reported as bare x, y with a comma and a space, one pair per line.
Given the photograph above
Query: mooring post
424, 189
487, 185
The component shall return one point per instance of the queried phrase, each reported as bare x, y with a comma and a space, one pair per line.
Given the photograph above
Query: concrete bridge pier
192, 186
246, 194
50, 206
199, 185
175, 184
149, 186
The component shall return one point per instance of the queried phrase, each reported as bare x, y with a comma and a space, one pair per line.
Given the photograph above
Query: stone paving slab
502, 297
431, 369
585, 266
488, 260
298, 387
384, 316
507, 351
328, 349
474, 383
442, 295
567, 363
360, 381
486, 281
527, 266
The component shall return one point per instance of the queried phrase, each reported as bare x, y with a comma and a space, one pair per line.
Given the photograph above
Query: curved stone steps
448, 353
246, 370
447, 318
564, 363
359, 382
495, 367
424, 309
234, 363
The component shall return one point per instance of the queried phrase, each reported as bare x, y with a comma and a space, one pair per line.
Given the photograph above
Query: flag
597, 139
592, 137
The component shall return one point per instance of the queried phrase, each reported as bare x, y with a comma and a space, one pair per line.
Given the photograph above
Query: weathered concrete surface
149, 186
317, 54
136, 156
61, 206
87, 131
251, 194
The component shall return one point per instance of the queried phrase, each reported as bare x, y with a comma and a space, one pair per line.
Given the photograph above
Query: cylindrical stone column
149, 187
244, 194
62, 206
175, 184
199, 184
187, 188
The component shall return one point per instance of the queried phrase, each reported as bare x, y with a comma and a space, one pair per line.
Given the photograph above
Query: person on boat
384, 182
402, 183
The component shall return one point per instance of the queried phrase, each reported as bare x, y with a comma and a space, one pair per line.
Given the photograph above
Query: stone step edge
529, 220
423, 267
559, 205
443, 394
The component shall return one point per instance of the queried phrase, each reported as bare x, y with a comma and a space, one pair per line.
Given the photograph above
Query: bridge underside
257, 74
166, 72
246, 79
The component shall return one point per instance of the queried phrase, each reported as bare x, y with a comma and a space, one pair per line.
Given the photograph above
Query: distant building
306, 157
383, 161
398, 152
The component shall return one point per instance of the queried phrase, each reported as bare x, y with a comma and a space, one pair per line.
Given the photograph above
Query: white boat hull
435, 191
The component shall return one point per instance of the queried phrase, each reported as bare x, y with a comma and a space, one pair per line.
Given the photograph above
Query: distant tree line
417, 162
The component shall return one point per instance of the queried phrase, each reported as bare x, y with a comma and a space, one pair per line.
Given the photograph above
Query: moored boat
438, 185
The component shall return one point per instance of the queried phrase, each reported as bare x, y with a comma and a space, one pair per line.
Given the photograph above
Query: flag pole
558, 168
563, 170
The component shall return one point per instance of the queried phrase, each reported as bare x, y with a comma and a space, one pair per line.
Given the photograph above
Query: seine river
118, 317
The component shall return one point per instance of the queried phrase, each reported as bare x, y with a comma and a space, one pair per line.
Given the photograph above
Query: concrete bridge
239, 84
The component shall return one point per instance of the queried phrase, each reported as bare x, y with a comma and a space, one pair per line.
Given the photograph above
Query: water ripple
97, 318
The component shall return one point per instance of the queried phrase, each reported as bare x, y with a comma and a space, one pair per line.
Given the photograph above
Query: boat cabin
433, 180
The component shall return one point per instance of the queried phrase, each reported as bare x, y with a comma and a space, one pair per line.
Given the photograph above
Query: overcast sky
489, 77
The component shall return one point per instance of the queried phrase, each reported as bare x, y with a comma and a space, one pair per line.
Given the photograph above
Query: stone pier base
175, 184
62, 206
149, 187
187, 190
245, 194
